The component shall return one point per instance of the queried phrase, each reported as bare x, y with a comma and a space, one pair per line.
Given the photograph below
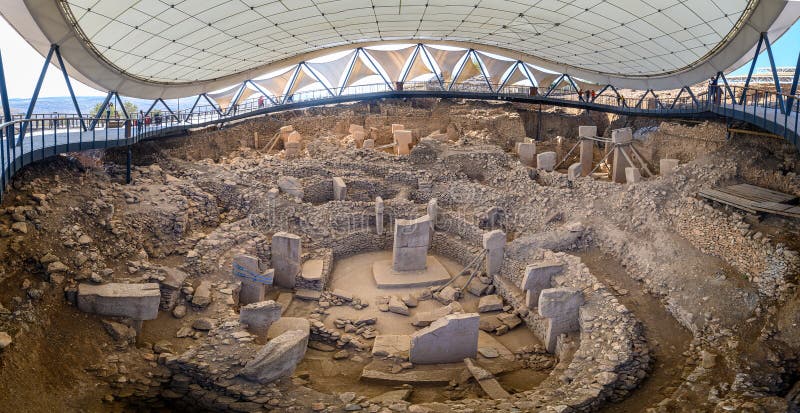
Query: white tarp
392, 61
446, 60
495, 68
276, 85
333, 71
360, 70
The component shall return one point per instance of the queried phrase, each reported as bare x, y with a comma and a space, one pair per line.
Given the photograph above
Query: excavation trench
668, 340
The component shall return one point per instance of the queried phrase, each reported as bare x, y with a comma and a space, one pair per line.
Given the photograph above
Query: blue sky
22, 64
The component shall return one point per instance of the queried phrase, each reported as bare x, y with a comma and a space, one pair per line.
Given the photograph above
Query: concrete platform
386, 277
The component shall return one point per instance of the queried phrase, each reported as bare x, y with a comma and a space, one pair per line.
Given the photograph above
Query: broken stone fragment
202, 295
397, 306
490, 303
203, 324
5, 340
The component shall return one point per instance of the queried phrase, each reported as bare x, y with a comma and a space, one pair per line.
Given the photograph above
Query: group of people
588, 95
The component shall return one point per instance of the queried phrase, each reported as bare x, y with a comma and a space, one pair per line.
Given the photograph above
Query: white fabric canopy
276, 84
333, 70
392, 61
418, 66
495, 68
446, 60
151, 49
360, 70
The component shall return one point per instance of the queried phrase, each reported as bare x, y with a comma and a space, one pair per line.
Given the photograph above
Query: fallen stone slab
447, 340
312, 270
381, 371
278, 358
291, 186
284, 299
307, 295
486, 380
136, 301
490, 303
393, 396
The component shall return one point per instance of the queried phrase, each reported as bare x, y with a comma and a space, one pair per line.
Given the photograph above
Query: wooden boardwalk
754, 199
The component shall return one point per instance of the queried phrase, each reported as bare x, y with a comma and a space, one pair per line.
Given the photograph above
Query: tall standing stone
561, 307
286, 249
546, 161
667, 166
433, 210
619, 137
586, 148
526, 152
379, 215
339, 189
411, 241
494, 242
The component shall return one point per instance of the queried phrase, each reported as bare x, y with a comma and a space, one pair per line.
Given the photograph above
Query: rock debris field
404, 256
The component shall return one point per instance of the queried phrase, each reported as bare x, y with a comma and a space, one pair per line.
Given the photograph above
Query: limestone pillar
587, 148
433, 209
526, 152
368, 144
411, 241
538, 277
561, 307
632, 175
667, 166
245, 268
339, 189
494, 243
450, 339
379, 215
574, 171
402, 141
546, 161
286, 250
259, 316
620, 137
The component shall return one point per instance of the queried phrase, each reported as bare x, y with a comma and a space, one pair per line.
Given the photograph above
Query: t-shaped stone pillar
245, 268
379, 215
538, 277
286, 249
494, 242
411, 241
561, 307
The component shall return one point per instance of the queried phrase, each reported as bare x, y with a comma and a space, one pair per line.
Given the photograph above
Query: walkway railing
48, 135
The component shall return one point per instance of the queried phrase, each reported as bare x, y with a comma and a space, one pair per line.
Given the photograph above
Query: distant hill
63, 104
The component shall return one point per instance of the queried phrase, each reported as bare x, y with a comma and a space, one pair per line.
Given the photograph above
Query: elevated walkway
46, 137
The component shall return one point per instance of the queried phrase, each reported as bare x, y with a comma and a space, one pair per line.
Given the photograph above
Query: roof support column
5, 150
258, 88
317, 77
558, 81
36, 91
213, 105
483, 72
69, 86
375, 67
460, 69
102, 109
775, 77
196, 101
793, 91
752, 68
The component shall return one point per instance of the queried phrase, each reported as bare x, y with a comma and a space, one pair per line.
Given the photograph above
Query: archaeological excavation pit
424, 256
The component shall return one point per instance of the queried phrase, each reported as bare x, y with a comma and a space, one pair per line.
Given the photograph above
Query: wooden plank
772, 206
758, 193
727, 199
